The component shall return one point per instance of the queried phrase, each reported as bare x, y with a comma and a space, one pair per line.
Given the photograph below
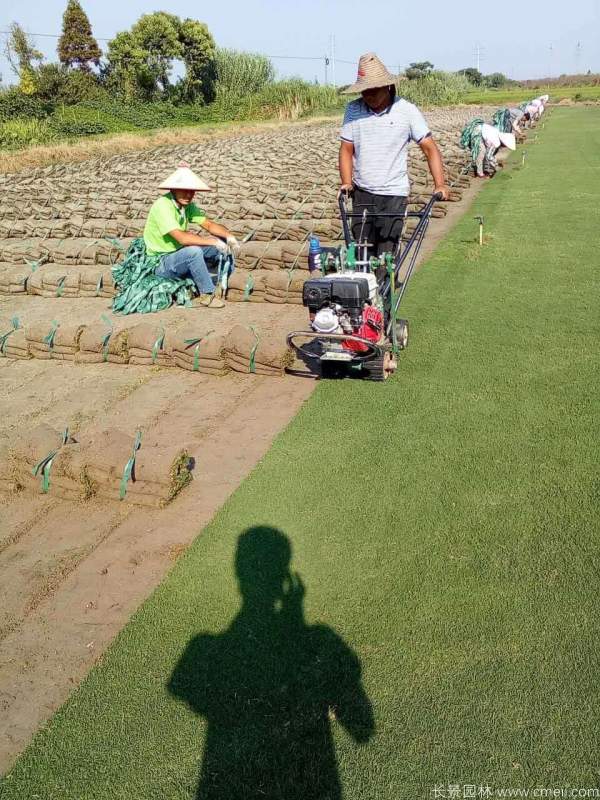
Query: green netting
502, 120
140, 290
470, 137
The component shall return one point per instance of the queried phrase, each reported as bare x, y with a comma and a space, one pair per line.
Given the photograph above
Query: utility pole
578, 58
332, 49
326, 65
477, 57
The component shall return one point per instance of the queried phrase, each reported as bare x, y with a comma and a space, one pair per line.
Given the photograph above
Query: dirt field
74, 572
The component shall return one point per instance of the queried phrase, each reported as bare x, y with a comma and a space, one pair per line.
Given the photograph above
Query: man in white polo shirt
376, 133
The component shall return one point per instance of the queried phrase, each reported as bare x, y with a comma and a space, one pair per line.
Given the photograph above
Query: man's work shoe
208, 301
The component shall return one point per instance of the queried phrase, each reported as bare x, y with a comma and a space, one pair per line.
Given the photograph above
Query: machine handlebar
345, 215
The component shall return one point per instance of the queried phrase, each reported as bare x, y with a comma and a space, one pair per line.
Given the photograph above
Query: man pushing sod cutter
353, 313
373, 159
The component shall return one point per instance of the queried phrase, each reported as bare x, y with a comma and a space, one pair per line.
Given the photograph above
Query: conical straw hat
184, 178
508, 140
372, 73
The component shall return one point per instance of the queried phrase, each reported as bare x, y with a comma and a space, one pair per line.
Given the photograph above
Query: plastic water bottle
314, 254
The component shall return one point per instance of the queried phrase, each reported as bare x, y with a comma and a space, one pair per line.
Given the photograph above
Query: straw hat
508, 140
372, 74
184, 178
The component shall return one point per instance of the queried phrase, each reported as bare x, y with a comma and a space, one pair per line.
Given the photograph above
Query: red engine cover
370, 329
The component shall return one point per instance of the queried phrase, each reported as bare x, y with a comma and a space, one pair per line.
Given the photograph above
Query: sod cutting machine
353, 313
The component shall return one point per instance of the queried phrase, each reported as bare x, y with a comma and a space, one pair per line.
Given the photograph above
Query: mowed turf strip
443, 627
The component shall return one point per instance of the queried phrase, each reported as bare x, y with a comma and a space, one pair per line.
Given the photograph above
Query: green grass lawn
445, 529
502, 96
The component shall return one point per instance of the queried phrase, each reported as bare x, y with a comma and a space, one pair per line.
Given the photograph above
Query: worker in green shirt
183, 253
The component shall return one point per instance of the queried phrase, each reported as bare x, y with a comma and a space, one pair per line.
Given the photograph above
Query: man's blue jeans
190, 261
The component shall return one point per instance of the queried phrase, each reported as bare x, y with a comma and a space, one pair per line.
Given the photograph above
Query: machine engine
344, 302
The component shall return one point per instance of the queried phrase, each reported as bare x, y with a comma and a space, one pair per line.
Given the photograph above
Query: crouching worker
490, 140
181, 253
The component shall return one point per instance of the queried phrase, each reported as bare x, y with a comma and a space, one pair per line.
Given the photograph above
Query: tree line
138, 63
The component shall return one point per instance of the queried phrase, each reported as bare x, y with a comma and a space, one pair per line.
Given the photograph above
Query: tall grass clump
283, 100
295, 98
435, 89
239, 73
25, 131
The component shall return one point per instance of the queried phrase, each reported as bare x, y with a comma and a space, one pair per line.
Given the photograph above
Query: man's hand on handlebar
442, 192
345, 188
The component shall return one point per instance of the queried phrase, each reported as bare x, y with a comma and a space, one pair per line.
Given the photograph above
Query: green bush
14, 104
146, 115
74, 127
59, 84
23, 132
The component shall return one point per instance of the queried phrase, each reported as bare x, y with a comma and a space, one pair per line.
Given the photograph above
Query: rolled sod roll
98, 343
247, 351
159, 473
17, 346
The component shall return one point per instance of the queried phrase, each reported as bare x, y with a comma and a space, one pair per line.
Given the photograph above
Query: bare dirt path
69, 587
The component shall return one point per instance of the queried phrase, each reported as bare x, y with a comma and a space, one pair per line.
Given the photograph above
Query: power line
104, 39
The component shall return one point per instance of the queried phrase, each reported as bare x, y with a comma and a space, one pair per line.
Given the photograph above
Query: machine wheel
402, 333
331, 370
379, 368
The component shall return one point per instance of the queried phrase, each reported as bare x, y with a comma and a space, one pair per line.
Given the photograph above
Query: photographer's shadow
271, 687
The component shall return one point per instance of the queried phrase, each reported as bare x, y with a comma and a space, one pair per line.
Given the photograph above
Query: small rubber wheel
379, 368
402, 333
332, 370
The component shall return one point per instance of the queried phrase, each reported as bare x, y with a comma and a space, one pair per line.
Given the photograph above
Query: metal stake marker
480, 219
524, 154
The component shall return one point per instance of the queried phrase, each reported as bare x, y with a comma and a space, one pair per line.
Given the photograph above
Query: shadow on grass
271, 687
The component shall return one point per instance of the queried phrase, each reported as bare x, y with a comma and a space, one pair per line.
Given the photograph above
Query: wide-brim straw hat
372, 74
184, 178
508, 140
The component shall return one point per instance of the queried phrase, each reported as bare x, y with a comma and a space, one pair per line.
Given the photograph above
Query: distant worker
518, 117
533, 109
490, 142
539, 105
182, 253
483, 141
377, 130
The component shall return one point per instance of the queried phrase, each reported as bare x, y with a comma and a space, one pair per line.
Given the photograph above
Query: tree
495, 80
199, 53
126, 72
77, 47
141, 60
473, 75
418, 69
20, 53
157, 35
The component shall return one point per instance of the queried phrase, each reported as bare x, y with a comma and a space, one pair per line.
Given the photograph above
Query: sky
522, 39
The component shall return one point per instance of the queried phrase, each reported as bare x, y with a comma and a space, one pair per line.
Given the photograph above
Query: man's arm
187, 238
345, 164
215, 229
436, 165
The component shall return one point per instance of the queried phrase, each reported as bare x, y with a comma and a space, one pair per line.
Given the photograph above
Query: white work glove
234, 245
221, 246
